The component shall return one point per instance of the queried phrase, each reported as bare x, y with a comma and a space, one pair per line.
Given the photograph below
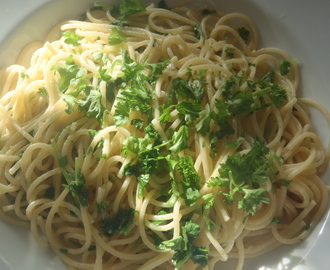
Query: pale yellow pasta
32, 120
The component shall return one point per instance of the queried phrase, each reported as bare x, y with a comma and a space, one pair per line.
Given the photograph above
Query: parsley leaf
135, 99
160, 222
244, 33
189, 111
72, 38
102, 206
68, 73
43, 91
135, 94
136, 145
180, 139
208, 11
209, 200
285, 182
138, 122
190, 182
276, 92
87, 98
121, 115
244, 174
184, 246
247, 168
185, 89
117, 36
285, 67
75, 180
198, 31
235, 102
276, 220
269, 77
147, 159
110, 84
203, 124
252, 199
166, 114
50, 192
156, 69
222, 119
129, 8
118, 224
93, 106
163, 4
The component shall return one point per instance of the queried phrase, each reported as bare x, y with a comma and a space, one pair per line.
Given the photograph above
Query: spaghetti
157, 138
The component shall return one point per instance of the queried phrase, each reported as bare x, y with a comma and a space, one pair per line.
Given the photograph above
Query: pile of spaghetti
158, 138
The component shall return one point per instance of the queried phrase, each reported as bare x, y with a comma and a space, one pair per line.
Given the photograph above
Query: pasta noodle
158, 139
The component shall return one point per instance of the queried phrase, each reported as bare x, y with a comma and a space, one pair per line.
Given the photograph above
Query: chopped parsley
244, 174
244, 33
285, 67
235, 103
136, 95
24, 75
163, 4
180, 139
50, 192
118, 36
147, 160
87, 98
209, 200
198, 31
208, 11
102, 206
185, 248
276, 220
189, 111
75, 181
119, 223
69, 73
43, 91
188, 187
285, 182
129, 8
72, 38
185, 89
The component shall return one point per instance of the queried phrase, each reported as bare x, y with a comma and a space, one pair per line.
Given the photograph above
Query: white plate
298, 26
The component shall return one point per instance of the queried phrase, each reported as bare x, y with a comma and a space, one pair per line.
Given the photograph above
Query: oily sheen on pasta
158, 138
